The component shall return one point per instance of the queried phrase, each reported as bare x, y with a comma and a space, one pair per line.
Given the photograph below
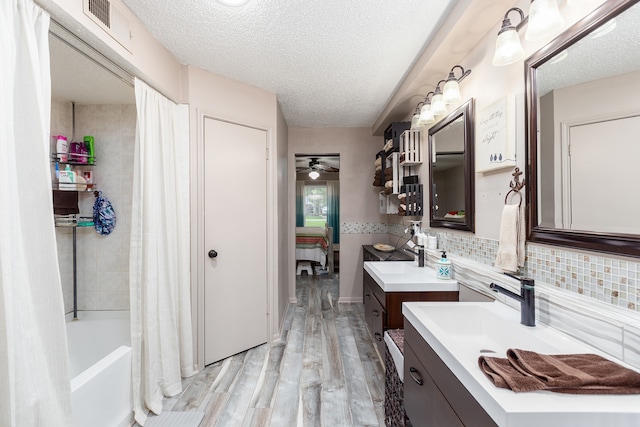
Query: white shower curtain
159, 276
34, 364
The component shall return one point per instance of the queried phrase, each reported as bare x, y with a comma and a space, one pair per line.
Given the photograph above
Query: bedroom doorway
317, 219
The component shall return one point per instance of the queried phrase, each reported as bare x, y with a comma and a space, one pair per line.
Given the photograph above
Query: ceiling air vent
110, 19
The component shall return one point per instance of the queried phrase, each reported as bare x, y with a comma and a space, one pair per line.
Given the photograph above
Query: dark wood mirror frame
467, 111
623, 244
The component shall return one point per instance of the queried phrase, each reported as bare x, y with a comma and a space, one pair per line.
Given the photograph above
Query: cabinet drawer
378, 320
424, 403
375, 288
467, 409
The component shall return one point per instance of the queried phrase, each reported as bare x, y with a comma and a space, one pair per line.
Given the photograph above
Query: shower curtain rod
76, 43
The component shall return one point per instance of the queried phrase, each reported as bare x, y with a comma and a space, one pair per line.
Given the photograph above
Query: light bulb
414, 121
314, 174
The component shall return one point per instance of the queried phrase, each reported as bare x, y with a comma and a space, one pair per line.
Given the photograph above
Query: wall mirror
451, 142
583, 112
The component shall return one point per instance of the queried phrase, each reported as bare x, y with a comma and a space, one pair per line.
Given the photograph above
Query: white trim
349, 300
197, 234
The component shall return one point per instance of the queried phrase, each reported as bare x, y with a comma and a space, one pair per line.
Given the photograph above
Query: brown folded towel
65, 202
563, 373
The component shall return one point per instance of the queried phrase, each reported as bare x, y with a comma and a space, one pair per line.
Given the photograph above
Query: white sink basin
460, 332
406, 276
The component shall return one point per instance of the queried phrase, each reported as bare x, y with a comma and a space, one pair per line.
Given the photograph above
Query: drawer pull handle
367, 296
378, 336
376, 313
417, 379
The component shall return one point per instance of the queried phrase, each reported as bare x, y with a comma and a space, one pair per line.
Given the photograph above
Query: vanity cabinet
383, 310
433, 396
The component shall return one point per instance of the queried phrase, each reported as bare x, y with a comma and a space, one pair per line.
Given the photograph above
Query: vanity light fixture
451, 90
426, 115
544, 19
508, 46
314, 174
415, 119
438, 105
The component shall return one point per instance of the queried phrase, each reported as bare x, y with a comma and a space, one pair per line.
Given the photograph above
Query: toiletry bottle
62, 148
444, 267
89, 142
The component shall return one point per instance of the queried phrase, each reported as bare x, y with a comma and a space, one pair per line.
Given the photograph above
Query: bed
313, 244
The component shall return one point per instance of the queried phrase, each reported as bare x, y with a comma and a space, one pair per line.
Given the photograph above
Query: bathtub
99, 347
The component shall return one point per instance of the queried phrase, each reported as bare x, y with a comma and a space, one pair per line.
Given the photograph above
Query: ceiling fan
315, 165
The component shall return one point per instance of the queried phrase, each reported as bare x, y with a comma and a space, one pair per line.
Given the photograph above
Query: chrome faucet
527, 298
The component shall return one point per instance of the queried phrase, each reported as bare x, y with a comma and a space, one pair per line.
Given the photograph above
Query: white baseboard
349, 300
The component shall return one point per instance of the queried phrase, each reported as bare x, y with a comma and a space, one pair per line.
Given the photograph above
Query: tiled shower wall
612, 280
102, 261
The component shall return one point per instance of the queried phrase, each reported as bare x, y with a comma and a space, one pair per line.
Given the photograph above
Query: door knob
213, 254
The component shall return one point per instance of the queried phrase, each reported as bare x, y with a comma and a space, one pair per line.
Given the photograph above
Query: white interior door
599, 202
235, 277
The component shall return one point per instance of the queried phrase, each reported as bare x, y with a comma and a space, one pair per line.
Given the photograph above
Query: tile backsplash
612, 280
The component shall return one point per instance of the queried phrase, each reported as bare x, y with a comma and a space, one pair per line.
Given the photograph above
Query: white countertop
406, 276
458, 331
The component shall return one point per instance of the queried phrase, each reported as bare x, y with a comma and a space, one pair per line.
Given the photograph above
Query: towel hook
516, 185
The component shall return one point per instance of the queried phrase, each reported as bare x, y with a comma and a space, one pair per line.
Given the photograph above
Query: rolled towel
388, 184
378, 161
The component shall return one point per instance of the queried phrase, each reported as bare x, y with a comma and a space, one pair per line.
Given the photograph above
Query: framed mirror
583, 110
451, 142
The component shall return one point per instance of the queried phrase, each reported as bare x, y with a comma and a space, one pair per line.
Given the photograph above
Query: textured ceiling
332, 63
614, 53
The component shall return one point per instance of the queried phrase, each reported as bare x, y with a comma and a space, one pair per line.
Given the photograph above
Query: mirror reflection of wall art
496, 135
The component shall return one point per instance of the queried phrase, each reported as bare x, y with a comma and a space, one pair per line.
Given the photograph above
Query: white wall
358, 197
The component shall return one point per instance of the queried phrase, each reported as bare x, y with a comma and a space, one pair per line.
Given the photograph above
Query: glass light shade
414, 121
544, 19
451, 92
438, 106
578, 2
314, 174
508, 48
426, 116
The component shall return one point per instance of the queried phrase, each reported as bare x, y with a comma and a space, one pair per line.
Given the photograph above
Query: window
315, 205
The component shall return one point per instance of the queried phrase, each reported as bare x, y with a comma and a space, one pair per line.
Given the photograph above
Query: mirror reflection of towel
65, 202
511, 248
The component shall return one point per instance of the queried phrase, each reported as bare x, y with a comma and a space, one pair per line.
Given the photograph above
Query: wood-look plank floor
323, 372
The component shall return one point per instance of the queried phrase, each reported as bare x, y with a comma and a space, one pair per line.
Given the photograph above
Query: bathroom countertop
406, 276
458, 333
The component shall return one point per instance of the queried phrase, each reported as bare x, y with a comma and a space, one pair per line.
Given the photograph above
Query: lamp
426, 115
508, 47
544, 19
314, 174
415, 119
438, 106
451, 89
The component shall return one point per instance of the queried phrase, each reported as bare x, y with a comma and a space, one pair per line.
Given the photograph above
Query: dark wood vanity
383, 310
433, 396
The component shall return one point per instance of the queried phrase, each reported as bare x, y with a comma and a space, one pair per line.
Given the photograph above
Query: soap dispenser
444, 267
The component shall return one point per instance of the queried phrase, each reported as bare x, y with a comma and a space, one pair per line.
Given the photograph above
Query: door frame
197, 118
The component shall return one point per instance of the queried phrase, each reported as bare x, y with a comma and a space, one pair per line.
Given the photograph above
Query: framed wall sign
496, 135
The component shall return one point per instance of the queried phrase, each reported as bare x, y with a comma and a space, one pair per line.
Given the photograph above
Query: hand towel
524, 370
511, 248
65, 202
